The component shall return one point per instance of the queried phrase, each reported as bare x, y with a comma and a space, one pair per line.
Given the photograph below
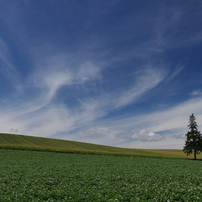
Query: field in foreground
49, 176
38, 143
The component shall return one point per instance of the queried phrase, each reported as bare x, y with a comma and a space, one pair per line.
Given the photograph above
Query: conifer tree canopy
193, 143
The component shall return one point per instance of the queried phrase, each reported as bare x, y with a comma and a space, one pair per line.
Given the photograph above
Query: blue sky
119, 73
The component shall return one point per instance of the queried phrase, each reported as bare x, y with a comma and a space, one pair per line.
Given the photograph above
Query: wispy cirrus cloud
58, 71
39, 114
36, 114
197, 92
146, 80
165, 26
146, 136
7, 68
171, 119
159, 129
113, 136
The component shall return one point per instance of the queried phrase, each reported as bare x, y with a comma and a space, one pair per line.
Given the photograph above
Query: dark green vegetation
47, 144
48, 176
193, 143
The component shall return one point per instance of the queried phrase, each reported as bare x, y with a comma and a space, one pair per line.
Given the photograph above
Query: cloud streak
145, 81
7, 68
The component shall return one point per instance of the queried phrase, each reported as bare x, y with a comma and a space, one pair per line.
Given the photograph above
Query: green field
72, 172
38, 143
47, 176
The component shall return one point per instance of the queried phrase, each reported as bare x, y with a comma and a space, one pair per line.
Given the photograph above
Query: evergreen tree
193, 143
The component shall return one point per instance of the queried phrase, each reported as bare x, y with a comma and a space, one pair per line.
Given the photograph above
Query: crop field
47, 176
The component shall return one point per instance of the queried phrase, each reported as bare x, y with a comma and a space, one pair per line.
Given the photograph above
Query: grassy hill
48, 144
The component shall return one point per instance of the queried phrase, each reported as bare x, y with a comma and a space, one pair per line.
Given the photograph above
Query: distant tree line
193, 143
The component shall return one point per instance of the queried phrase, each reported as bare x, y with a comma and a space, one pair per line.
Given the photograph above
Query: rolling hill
13, 141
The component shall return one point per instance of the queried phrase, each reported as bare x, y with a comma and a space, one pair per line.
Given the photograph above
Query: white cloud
167, 143
55, 79
45, 122
57, 71
86, 72
147, 127
131, 131
145, 81
15, 131
143, 135
176, 71
37, 115
7, 68
175, 117
40, 117
146, 136
134, 139
90, 111
196, 93
165, 33
53, 120
99, 135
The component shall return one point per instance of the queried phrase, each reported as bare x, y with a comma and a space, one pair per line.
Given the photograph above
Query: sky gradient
117, 73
